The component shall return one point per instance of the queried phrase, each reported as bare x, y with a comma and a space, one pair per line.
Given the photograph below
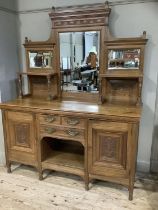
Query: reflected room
123, 59
79, 61
40, 59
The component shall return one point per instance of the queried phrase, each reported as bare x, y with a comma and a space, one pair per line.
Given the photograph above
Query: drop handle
71, 121
72, 132
50, 119
50, 130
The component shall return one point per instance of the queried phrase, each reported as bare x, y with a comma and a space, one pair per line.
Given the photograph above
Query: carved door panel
20, 132
108, 144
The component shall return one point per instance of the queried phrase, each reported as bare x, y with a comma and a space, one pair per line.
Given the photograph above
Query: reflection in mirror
40, 59
79, 61
123, 59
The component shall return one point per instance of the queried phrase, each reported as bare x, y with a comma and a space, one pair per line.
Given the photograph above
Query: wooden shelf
121, 74
38, 73
65, 162
112, 101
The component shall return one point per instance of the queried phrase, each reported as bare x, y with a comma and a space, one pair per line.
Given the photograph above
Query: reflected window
124, 59
40, 59
79, 61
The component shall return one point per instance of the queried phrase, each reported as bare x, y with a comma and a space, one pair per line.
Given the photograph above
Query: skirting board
154, 166
143, 166
2, 159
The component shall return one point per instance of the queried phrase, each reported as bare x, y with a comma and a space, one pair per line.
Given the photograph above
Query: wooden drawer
73, 122
62, 132
49, 119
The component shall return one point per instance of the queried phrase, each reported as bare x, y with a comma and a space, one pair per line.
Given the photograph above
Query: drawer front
49, 119
62, 132
73, 122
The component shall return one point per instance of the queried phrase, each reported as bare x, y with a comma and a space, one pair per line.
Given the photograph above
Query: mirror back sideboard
81, 113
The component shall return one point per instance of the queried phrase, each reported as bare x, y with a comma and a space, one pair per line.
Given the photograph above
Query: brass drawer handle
72, 121
72, 132
50, 119
50, 130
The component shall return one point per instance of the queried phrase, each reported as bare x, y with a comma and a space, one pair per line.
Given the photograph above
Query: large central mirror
79, 61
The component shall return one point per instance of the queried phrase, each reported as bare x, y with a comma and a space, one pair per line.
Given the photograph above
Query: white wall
2, 151
127, 20
8, 4
131, 20
154, 155
39, 4
8, 58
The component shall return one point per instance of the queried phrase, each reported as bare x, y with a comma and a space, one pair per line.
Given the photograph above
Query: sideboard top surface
82, 108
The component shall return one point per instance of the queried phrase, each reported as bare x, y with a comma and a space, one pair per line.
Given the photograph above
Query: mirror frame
80, 19
81, 95
125, 44
45, 46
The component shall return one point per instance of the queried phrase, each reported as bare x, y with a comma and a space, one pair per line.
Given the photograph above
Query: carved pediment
85, 15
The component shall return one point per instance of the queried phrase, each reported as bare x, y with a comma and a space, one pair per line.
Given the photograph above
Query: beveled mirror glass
123, 59
79, 61
40, 59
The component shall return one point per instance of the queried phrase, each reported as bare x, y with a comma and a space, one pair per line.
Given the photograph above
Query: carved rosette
112, 148
22, 132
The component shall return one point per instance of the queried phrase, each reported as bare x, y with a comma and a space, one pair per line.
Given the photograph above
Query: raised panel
110, 149
21, 132
122, 90
108, 143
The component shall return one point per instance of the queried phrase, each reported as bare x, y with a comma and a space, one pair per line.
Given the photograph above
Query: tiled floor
23, 190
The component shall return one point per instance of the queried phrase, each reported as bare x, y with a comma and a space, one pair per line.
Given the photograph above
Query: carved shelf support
100, 101
139, 102
49, 87
20, 86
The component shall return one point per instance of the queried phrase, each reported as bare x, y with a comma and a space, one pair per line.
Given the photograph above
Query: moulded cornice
116, 3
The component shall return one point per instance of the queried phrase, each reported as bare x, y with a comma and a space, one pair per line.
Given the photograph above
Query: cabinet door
20, 137
108, 143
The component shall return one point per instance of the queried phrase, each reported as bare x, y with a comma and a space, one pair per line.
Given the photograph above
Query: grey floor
23, 190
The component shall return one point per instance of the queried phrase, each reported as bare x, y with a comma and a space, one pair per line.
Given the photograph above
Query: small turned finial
144, 34
53, 9
26, 40
106, 4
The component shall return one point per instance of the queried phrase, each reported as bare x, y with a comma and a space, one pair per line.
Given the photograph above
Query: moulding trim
8, 10
111, 4
154, 166
143, 166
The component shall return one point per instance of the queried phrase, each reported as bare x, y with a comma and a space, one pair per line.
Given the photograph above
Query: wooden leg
86, 186
40, 172
40, 175
131, 192
86, 182
131, 184
9, 167
39, 166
